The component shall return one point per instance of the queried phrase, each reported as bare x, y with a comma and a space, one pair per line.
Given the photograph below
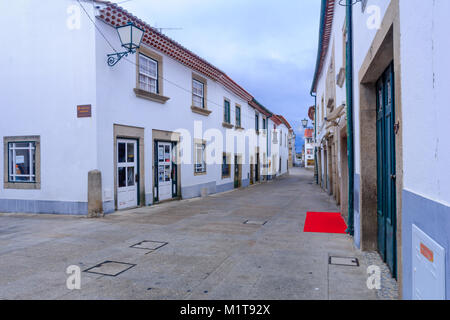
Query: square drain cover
149, 245
110, 268
344, 261
255, 222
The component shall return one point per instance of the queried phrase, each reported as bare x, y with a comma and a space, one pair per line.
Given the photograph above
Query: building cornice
326, 24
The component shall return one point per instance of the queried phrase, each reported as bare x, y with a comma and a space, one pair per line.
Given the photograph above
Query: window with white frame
22, 161
198, 94
199, 161
148, 74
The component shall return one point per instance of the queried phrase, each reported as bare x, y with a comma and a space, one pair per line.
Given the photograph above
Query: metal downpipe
350, 141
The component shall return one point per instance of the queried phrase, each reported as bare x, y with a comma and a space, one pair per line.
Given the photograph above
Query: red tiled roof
285, 121
276, 120
116, 16
256, 106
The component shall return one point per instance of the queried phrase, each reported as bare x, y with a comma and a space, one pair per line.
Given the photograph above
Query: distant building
308, 150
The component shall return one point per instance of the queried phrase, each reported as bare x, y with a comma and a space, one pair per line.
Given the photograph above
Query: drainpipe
316, 169
350, 146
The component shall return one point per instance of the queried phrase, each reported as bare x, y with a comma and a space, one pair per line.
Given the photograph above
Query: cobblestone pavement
389, 286
244, 244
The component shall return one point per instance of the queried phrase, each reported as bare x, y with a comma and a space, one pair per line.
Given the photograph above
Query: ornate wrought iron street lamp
130, 36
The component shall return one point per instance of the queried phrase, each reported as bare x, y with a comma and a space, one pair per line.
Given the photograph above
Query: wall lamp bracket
114, 58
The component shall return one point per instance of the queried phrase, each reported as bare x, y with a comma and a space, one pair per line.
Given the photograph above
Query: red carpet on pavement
325, 222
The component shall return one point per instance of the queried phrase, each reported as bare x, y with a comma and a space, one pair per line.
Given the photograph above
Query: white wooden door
164, 171
127, 186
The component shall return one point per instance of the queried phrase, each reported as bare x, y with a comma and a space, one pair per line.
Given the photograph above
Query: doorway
330, 167
127, 174
252, 171
166, 171
325, 168
386, 169
237, 172
344, 174
257, 168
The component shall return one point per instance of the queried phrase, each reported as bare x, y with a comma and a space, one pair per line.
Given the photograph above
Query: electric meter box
428, 263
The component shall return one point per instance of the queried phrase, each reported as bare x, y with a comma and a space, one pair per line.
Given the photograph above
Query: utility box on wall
428, 263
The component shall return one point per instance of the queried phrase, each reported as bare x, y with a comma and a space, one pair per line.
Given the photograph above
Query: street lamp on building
130, 36
305, 123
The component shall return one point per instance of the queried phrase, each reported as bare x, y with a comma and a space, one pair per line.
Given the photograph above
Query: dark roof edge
322, 41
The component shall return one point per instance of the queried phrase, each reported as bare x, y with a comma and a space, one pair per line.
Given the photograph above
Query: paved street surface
210, 252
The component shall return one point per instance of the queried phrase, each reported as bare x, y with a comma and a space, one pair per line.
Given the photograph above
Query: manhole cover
149, 245
255, 222
110, 268
344, 261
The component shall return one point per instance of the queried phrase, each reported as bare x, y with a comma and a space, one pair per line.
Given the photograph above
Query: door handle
393, 177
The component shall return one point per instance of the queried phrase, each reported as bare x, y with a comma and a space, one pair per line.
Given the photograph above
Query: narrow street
210, 252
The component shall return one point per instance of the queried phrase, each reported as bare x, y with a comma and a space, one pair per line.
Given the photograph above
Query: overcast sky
269, 47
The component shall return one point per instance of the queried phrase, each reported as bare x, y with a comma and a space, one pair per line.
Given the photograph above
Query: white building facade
161, 124
401, 185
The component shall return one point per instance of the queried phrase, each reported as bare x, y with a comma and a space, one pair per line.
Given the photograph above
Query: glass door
164, 170
127, 186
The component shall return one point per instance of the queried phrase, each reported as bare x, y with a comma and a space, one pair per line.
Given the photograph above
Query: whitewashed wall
47, 69
425, 48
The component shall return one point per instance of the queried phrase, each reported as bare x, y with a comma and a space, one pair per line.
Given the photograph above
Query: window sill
150, 96
226, 177
22, 186
227, 125
203, 112
239, 128
200, 173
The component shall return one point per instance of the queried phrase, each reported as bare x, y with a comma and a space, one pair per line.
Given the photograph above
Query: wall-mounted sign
84, 111
427, 252
20, 159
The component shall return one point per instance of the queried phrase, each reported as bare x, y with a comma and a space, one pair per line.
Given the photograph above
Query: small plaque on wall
84, 111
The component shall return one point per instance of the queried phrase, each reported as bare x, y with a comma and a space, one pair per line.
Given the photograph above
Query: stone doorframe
344, 168
167, 136
257, 163
137, 133
252, 169
239, 163
385, 48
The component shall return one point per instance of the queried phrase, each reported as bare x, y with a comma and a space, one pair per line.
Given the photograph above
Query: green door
386, 176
